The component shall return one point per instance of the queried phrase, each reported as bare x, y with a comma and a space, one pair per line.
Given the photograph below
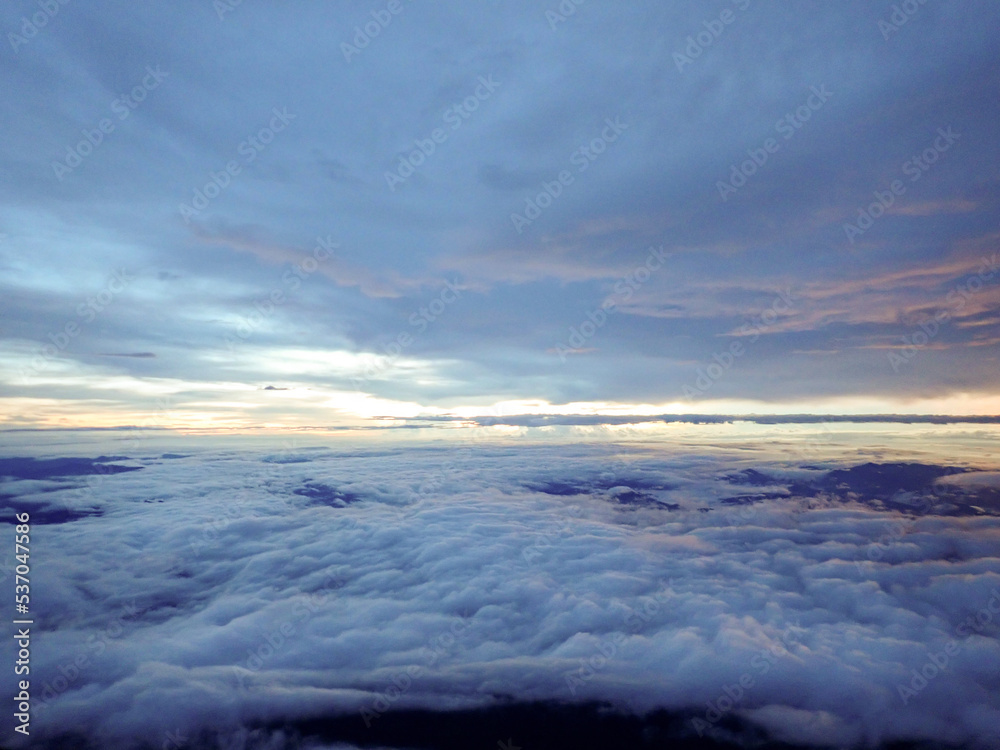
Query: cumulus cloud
232, 591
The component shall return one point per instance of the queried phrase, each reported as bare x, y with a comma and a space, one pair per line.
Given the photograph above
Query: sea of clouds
250, 590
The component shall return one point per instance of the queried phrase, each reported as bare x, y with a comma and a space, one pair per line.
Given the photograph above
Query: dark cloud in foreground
253, 596
553, 726
47, 468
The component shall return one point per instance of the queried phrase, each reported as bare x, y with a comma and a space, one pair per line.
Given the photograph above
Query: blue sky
496, 207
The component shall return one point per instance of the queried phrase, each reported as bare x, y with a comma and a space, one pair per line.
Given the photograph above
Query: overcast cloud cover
424, 291
248, 591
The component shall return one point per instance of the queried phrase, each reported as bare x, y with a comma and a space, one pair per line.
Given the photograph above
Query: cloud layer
244, 589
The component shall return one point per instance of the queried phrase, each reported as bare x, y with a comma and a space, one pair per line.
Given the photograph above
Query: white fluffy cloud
211, 594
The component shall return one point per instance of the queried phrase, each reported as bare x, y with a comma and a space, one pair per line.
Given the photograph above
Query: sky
284, 214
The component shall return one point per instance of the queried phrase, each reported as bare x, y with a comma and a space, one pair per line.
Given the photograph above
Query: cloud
248, 590
522, 293
931, 208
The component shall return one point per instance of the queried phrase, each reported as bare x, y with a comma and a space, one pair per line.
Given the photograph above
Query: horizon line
568, 420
